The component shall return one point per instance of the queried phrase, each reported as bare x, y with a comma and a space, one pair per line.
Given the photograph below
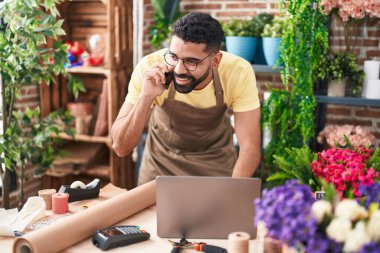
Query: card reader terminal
118, 236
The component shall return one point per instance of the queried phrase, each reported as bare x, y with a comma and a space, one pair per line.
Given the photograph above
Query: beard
187, 88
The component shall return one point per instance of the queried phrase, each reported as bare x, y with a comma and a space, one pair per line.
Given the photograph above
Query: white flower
356, 238
373, 227
321, 208
350, 209
338, 229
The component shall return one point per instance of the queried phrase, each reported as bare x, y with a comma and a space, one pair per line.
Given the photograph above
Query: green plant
261, 20
275, 29
339, 66
166, 12
302, 47
243, 28
26, 58
295, 163
29, 139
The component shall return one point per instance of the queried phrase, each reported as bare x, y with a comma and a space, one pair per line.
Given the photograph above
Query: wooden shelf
87, 138
89, 70
103, 1
99, 171
347, 100
266, 68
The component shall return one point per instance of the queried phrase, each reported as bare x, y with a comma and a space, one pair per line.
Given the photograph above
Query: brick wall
226, 9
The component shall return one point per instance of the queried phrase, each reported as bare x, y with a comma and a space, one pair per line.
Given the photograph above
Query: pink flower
358, 136
345, 168
356, 9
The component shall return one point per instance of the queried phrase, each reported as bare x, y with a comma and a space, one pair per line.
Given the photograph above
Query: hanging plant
302, 46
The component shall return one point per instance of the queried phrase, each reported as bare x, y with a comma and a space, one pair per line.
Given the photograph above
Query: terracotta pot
336, 88
80, 109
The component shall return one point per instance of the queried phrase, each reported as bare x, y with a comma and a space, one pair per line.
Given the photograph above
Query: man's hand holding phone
156, 80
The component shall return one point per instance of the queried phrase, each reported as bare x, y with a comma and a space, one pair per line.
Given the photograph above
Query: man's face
193, 65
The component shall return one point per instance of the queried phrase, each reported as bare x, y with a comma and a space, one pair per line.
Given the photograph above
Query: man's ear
216, 59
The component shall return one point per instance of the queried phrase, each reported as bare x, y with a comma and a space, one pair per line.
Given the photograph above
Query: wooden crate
113, 20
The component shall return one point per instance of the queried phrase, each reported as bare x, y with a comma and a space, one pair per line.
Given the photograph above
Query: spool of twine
46, 196
60, 203
272, 246
238, 242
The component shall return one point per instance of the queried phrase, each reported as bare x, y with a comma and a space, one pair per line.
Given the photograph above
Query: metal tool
200, 246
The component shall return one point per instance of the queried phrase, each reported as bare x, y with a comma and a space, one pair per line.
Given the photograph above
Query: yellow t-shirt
236, 75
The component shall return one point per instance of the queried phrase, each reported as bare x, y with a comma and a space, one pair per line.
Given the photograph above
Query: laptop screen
205, 207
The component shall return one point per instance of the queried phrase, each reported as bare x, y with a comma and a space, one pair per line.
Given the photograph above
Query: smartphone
168, 78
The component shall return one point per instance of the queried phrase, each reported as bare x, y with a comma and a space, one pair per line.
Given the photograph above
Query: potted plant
261, 20
272, 34
241, 37
25, 59
342, 73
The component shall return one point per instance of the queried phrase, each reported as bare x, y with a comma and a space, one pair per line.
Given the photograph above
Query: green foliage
275, 29
302, 48
166, 12
261, 21
374, 161
30, 139
75, 85
275, 114
339, 66
25, 57
295, 164
243, 28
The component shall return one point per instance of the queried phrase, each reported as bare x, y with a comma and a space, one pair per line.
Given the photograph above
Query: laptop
205, 207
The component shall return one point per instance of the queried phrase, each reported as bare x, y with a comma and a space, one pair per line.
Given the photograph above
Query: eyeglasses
190, 64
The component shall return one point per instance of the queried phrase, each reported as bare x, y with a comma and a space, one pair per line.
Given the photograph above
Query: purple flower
320, 243
286, 212
372, 193
371, 247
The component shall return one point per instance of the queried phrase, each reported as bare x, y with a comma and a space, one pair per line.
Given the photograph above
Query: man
189, 132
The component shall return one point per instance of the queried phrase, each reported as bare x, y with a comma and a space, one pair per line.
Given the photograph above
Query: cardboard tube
238, 242
66, 232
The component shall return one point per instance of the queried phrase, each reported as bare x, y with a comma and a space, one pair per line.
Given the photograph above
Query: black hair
200, 28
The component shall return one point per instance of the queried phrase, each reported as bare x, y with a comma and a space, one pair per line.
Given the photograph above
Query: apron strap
218, 87
171, 91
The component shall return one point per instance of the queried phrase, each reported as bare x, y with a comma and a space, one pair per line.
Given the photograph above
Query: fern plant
295, 164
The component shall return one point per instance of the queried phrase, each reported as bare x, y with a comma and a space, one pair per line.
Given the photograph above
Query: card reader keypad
130, 229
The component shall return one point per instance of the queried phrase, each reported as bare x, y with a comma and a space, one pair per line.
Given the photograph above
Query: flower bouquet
351, 13
347, 168
333, 135
291, 215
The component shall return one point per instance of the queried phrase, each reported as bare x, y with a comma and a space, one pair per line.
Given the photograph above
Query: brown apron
184, 140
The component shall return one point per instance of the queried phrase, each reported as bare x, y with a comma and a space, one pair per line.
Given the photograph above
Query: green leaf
60, 32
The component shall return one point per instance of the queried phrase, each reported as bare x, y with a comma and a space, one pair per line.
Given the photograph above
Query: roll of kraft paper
238, 242
99, 216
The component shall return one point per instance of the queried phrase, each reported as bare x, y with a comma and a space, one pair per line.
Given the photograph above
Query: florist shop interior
76, 148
